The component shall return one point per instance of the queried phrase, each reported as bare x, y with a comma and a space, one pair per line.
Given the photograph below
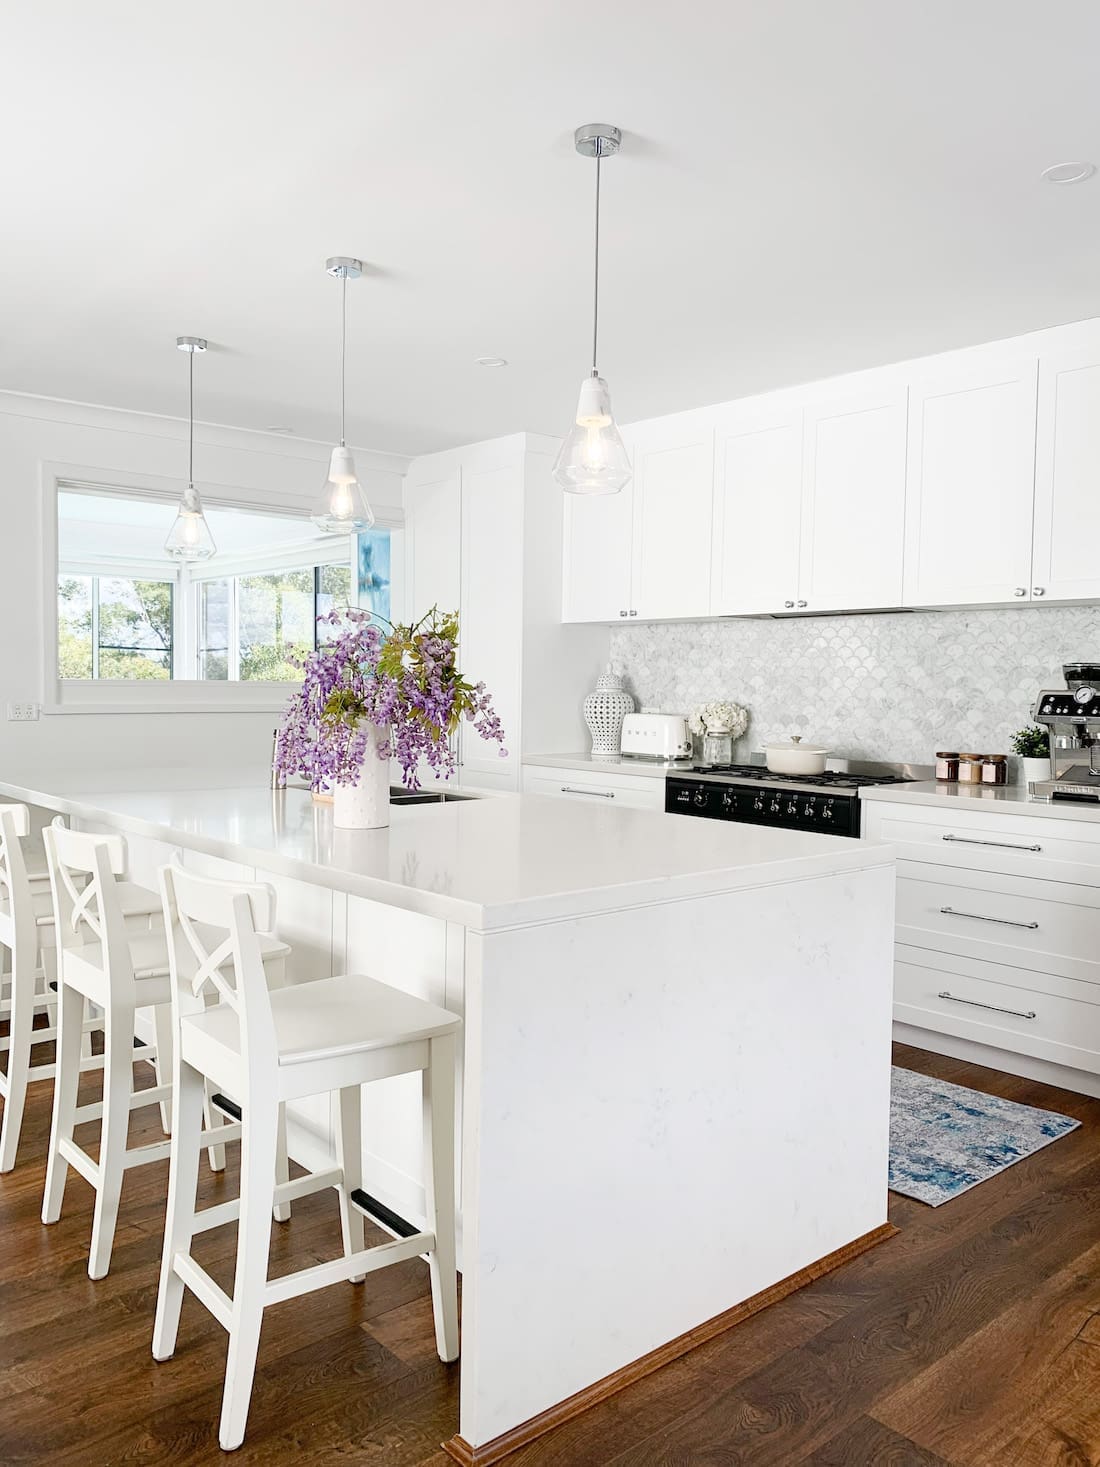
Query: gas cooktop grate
831, 779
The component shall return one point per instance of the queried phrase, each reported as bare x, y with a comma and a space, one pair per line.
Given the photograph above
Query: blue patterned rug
945, 1138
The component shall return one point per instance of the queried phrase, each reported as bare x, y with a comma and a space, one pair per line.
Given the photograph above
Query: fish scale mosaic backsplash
896, 686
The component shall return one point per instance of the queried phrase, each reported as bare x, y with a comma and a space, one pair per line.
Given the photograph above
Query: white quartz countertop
653, 768
1008, 799
481, 863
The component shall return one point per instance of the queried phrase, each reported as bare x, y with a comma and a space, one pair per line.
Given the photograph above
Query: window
114, 627
250, 627
128, 612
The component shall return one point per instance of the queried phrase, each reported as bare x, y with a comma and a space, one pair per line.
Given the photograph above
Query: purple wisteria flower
404, 680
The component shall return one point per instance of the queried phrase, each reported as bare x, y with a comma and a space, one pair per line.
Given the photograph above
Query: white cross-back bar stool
268, 1047
27, 931
101, 961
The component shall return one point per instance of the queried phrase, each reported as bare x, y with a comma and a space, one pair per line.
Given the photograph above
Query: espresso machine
1072, 714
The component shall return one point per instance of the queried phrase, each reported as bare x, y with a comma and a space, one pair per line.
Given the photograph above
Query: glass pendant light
190, 537
593, 459
342, 508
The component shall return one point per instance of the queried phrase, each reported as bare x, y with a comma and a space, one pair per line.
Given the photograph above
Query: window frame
178, 694
234, 578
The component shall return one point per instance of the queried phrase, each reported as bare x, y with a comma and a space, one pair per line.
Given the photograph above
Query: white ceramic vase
1033, 769
604, 711
366, 805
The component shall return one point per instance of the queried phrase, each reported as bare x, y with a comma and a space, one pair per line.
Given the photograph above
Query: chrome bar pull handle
572, 789
1001, 845
980, 917
995, 1008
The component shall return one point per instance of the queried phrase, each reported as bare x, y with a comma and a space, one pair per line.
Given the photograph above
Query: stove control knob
774, 807
727, 800
700, 797
792, 807
827, 810
758, 803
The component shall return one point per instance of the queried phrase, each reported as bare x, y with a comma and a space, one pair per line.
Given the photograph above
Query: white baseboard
1045, 1071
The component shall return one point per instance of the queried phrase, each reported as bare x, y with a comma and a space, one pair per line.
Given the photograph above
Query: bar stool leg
439, 1172
20, 1025
162, 1025
281, 1210
349, 1158
188, 1096
118, 1079
70, 1027
259, 1145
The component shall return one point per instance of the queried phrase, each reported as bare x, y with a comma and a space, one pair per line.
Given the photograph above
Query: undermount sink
399, 795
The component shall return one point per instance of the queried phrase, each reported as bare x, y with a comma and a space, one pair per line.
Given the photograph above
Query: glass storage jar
947, 766
995, 769
718, 746
970, 768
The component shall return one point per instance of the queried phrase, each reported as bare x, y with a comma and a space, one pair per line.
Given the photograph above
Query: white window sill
106, 696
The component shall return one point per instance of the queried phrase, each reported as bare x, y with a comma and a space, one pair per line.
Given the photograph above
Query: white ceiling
804, 188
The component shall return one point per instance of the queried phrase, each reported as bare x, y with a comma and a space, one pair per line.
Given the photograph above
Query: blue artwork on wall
374, 572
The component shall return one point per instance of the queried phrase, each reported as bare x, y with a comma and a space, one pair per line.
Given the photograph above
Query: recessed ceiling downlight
1068, 172
490, 361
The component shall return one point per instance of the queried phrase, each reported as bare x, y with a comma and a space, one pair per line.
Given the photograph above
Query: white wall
41, 438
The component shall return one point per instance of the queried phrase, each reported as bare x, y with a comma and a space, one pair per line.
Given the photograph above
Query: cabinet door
433, 524
492, 608
596, 553
853, 501
757, 507
971, 484
1067, 473
673, 499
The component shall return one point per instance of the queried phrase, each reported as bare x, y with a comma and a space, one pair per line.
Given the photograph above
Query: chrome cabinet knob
633, 613
623, 613
788, 605
802, 603
1020, 591
1038, 590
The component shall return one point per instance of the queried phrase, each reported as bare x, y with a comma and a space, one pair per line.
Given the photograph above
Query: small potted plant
368, 695
1032, 747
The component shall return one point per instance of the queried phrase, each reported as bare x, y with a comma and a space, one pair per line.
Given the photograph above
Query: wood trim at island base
528, 1431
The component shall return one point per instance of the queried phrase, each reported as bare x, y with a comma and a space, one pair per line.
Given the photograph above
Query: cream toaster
655, 736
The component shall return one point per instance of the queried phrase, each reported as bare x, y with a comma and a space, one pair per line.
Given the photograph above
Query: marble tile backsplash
896, 686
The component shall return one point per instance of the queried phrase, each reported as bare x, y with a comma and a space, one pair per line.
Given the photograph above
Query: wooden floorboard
971, 1340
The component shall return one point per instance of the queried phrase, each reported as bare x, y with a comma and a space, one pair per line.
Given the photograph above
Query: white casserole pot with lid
795, 757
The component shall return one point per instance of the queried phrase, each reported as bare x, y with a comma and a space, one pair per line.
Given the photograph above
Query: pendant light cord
596, 275
191, 418
343, 349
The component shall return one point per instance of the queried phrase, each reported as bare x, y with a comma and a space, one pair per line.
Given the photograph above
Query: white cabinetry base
1080, 1081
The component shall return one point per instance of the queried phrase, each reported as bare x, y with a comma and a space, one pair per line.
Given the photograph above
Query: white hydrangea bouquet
719, 715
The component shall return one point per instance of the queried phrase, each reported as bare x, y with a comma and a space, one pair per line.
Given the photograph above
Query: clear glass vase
717, 746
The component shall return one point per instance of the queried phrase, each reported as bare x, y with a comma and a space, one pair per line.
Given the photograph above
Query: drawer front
1047, 926
1049, 850
643, 794
971, 1001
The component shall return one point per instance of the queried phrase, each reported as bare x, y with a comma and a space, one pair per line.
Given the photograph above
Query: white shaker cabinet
673, 496
757, 506
1067, 475
433, 520
597, 533
853, 502
971, 482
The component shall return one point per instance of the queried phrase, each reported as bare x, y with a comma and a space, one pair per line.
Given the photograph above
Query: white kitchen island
675, 1097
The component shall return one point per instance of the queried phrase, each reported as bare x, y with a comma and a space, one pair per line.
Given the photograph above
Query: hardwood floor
972, 1339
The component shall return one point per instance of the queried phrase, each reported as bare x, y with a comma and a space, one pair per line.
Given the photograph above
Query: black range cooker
750, 793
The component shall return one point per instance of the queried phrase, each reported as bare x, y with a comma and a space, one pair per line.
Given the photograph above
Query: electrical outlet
22, 712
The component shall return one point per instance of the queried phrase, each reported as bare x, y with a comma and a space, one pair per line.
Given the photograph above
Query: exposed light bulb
593, 458
343, 508
190, 537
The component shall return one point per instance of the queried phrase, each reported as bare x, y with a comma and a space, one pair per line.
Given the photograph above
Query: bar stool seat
329, 1036
134, 900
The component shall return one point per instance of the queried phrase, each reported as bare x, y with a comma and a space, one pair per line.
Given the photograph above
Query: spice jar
995, 769
947, 766
970, 768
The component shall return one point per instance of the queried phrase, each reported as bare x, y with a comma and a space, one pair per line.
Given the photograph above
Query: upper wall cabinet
433, 529
1067, 471
673, 491
757, 506
971, 482
853, 502
597, 536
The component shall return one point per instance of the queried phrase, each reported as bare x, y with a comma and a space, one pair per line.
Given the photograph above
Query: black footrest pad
378, 1212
